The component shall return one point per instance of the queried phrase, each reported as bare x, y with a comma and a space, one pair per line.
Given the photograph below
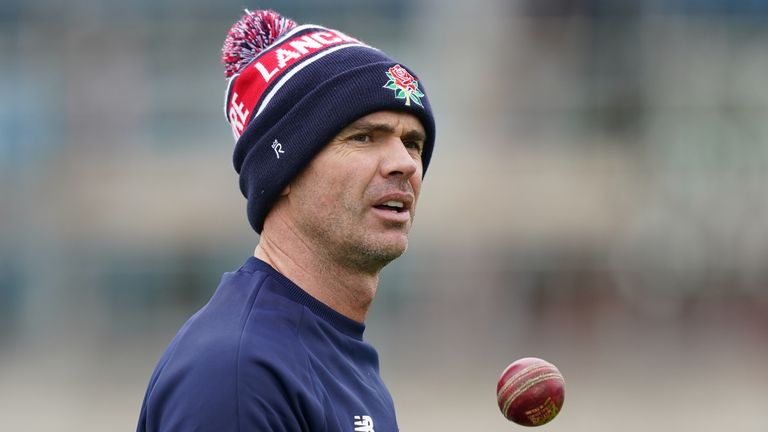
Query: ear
286, 191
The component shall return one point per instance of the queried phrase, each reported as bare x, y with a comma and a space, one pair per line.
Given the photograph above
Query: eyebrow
368, 127
414, 135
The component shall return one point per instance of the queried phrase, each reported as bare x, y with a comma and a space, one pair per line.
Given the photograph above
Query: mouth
395, 207
392, 206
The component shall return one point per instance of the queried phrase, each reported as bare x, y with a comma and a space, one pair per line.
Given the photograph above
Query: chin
381, 251
395, 249
394, 252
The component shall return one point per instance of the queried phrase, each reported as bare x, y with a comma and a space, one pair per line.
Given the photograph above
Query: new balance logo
363, 424
278, 148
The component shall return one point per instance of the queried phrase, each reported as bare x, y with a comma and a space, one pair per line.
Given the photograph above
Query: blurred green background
597, 198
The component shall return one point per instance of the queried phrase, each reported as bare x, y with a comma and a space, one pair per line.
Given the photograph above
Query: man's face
356, 200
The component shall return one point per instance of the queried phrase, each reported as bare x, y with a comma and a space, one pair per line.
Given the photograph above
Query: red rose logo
404, 85
402, 77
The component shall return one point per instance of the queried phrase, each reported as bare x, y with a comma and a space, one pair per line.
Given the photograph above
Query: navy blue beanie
293, 88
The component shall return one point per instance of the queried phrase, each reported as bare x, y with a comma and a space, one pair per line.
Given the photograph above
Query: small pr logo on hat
404, 84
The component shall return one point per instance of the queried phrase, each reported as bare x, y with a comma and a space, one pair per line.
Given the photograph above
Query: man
333, 138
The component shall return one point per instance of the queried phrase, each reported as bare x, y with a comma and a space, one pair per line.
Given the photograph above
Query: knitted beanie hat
293, 88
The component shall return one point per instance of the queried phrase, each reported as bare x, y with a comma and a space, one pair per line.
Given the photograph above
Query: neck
346, 290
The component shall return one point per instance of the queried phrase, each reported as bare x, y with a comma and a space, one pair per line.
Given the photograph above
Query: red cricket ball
530, 391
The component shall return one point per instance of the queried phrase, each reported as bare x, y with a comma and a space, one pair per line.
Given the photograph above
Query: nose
398, 161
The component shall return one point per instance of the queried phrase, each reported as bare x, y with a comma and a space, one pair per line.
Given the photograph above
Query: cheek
325, 193
417, 177
415, 182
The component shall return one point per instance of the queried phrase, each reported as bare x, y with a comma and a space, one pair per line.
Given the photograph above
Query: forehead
400, 121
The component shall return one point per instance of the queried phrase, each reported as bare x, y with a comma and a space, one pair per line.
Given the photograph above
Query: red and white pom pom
249, 36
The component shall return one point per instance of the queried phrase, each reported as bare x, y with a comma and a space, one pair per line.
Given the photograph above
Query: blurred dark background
597, 198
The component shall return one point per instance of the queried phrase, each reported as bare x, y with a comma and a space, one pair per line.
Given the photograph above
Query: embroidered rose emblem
404, 84
401, 76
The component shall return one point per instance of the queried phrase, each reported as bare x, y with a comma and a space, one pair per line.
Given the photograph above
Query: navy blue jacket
263, 355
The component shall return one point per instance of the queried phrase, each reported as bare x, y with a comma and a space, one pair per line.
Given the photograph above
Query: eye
362, 138
413, 145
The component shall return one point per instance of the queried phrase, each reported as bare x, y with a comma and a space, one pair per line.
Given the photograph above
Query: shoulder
237, 363
246, 327
271, 348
